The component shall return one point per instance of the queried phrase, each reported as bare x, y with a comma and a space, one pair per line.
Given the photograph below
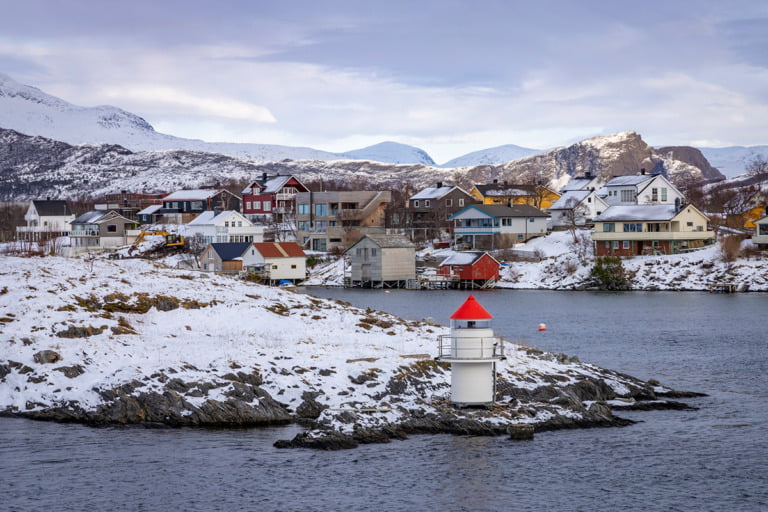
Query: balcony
452, 348
600, 236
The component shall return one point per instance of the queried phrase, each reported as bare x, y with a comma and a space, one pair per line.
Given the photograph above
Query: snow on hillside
391, 152
491, 156
733, 161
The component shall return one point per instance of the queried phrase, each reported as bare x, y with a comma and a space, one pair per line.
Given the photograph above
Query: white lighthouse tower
473, 351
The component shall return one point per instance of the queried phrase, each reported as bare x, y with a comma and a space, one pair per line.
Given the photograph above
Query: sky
448, 76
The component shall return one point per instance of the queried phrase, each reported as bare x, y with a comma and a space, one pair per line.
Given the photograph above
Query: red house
472, 269
271, 195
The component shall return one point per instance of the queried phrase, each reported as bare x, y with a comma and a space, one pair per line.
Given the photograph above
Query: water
710, 459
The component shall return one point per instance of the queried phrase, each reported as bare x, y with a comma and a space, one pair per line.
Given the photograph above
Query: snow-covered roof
432, 193
577, 184
90, 217
210, 217
150, 209
655, 212
191, 195
387, 241
624, 181
570, 199
463, 258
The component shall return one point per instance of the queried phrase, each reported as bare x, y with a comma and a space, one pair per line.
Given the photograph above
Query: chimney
588, 174
439, 184
642, 172
263, 176
495, 181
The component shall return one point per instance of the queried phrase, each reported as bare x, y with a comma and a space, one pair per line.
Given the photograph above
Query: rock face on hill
694, 157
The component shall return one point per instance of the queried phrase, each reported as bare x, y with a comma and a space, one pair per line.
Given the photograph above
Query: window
664, 194
607, 244
633, 228
274, 267
628, 196
609, 227
506, 221
303, 209
293, 267
625, 244
257, 205
426, 203
689, 224
321, 210
374, 252
196, 205
267, 206
359, 251
531, 219
615, 244
320, 225
247, 205
111, 228
226, 223
762, 229
416, 203
654, 194
303, 225
448, 203
461, 201
589, 199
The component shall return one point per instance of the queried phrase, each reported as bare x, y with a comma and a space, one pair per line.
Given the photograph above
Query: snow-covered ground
71, 329
555, 264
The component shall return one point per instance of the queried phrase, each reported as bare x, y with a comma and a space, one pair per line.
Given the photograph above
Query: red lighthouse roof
471, 310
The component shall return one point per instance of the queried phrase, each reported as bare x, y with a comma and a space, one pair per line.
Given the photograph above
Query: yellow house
508, 194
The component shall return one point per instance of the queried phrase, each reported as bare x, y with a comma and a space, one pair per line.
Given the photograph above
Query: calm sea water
714, 459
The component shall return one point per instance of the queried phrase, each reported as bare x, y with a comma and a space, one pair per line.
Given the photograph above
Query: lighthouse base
472, 384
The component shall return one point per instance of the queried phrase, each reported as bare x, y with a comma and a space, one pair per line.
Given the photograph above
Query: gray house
381, 261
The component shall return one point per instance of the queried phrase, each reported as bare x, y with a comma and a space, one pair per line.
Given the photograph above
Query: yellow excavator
172, 240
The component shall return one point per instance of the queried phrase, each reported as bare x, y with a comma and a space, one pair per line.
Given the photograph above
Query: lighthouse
473, 352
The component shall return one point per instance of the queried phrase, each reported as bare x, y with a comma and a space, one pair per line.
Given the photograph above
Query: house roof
432, 193
52, 208
91, 217
211, 218
464, 258
498, 210
191, 195
655, 212
230, 251
471, 310
150, 209
623, 181
279, 249
506, 190
570, 199
390, 241
577, 184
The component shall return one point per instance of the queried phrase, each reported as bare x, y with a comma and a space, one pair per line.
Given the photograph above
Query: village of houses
269, 231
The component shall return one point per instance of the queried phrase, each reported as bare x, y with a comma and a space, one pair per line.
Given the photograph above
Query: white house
640, 190
276, 261
485, 226
586, 182
224, 227
576, 208
46, 218
760, 238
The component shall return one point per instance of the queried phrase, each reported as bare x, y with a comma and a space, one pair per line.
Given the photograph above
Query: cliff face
693, 157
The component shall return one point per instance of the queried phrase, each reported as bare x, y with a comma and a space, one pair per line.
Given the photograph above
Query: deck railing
458, 348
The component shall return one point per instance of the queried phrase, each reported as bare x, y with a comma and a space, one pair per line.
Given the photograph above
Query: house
150, 215
508, 194
99, 229
224, 257
585, 182
471, 269
650, 229
331, 220
184, 205
223, 227
760, 238
271, 197
379, 260
429, 209
129, 204
276, 262
496, 226
642, 189
575, 208
46, 219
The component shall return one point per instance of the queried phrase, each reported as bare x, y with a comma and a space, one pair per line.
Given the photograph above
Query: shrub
730, 247
608, 274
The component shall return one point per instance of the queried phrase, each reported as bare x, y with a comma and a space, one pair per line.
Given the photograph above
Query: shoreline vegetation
131, 342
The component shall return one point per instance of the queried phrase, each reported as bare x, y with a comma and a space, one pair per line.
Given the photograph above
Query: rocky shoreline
130, 343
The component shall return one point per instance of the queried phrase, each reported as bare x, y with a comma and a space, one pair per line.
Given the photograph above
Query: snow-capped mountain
492, 156
391, 152
733, 160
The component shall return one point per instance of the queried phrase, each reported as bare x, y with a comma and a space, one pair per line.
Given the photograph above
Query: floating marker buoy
386, 291
542, 327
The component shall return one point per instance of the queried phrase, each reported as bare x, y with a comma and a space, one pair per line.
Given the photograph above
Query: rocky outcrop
694, 157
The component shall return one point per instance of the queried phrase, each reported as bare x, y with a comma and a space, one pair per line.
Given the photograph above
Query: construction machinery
172, 240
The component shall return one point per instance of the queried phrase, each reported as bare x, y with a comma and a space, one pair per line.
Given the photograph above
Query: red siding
483, 268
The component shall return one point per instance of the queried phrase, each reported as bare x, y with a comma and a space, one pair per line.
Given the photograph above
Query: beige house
98, 230
384, 261
336, 219
760, 237
650, 229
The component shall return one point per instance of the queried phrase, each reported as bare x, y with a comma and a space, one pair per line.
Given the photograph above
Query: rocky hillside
33, 167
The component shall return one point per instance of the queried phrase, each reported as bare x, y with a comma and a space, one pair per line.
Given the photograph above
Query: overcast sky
447, 76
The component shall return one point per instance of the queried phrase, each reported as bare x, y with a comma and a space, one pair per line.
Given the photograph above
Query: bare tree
758, 166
